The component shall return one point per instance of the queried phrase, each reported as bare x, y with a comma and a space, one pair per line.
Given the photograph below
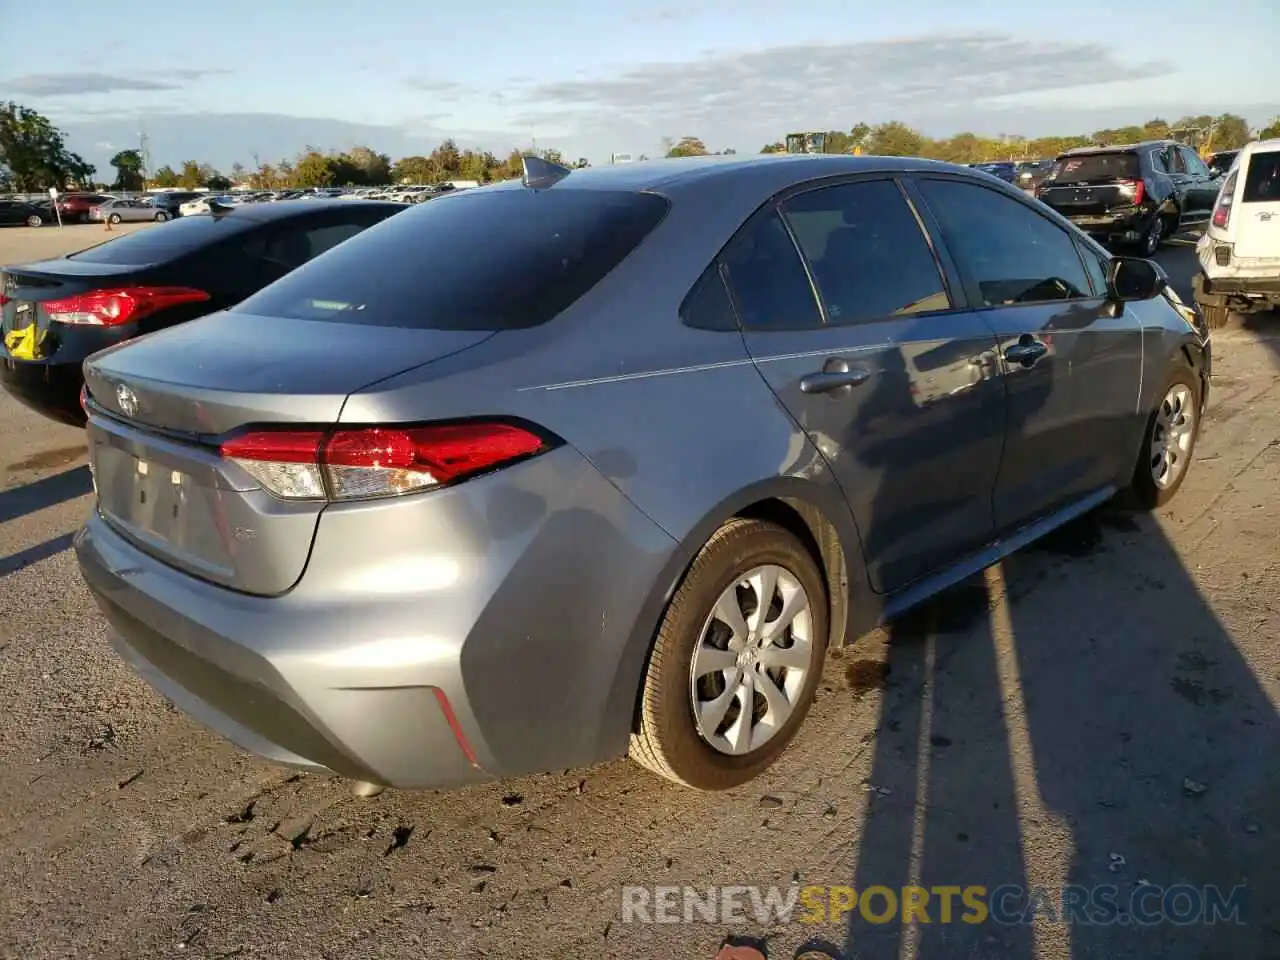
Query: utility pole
144, 148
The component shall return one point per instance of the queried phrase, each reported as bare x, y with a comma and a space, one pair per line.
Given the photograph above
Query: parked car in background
1239, 252
201, 203
116, 211
1006, 171
1134, 195
1031, 173
57, 312
171, 201
75, 207
14, 212
430, 511
1219, 163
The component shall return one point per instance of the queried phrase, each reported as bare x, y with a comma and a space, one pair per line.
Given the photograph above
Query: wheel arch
818, 515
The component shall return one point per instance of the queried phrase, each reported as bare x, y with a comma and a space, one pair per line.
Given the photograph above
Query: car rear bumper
50, 389
1240, 293
1128, 227
470, 633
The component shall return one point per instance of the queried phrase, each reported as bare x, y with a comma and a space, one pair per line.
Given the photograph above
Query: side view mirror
1132, 278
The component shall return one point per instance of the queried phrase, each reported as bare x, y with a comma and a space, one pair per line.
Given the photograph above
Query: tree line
34, 155
895, 139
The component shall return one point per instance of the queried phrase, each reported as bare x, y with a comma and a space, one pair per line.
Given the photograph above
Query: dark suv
1136, 194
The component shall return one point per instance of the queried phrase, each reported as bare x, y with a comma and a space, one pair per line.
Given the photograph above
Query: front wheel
736, 661
1168, 443
114, 218
35, 220
161, 217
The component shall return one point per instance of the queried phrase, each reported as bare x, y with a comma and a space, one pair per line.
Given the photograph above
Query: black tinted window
1011, 252
1095, 166
165, 242
1095, 266
708, 306
767, 279
1262, 180
491, 260
866, 251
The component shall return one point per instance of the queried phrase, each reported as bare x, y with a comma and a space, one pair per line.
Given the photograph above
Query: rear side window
1262, 180
167, 242
1096, 166
708, 306
770, 286
490, 260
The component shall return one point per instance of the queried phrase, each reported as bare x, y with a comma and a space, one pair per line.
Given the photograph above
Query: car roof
284, 209
1119, 147
678, 173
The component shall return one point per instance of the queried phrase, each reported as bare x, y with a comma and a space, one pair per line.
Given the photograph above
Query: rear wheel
161, 217
35, 220
736, 661
114, 218
1150, 243
1168, 443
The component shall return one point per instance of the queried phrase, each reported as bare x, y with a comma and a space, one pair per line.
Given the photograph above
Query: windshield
494, 259
1095, 166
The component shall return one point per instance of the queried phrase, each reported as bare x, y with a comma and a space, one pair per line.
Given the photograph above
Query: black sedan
14, 212
55, 313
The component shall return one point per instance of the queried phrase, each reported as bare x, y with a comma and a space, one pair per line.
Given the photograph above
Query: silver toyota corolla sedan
128, 211
604, 461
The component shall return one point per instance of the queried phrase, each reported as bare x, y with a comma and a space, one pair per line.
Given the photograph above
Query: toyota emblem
127, 399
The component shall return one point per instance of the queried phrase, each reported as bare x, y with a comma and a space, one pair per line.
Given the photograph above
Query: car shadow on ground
29, 498
1111, 716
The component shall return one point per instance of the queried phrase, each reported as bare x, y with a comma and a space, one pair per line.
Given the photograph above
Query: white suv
1240, 250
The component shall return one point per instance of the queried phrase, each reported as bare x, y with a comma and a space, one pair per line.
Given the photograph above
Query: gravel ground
1100, 709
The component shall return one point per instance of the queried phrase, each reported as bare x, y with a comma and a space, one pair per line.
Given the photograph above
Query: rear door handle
1026, 351
836, 376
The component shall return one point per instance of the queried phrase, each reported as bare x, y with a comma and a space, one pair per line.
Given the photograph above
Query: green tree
128, 164
218, 182
858, 134
315, 170
688, 147
1155, 129
33, 152
238, 173
1230, 132
419, 170
775, 147
1271, 130
369, 167
190, 177
166, 176
894, 139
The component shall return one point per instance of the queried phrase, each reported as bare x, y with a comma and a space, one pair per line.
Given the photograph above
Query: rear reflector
366, 462
110, 308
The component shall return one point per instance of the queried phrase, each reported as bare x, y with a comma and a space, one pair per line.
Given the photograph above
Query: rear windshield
1262, 182
1096, 166
490, 260
165, 241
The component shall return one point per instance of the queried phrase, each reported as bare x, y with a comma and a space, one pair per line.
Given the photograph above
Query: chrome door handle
1026, 352
835, 376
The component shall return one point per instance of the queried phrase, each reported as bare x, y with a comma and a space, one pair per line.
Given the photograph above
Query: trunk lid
1091, 185
161, 404
1257, 232
25, 328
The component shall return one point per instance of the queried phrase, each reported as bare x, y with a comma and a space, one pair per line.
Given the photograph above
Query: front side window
866, 252
1012, 254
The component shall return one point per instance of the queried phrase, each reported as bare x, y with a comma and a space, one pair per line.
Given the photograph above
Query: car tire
704, 750
35, 220
161, 217
1150, 243
114, 218
1174, 425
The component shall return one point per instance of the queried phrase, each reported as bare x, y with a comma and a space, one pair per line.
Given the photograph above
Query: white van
1239, 252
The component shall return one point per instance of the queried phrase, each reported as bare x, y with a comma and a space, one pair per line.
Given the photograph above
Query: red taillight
1139, 188
1222, 209
110, 308
363, 462
84, 398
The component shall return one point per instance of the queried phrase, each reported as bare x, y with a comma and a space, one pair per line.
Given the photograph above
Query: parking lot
1099, 709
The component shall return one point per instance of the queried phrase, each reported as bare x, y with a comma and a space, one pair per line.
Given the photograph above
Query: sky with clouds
591, 78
